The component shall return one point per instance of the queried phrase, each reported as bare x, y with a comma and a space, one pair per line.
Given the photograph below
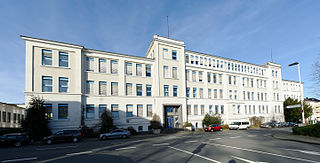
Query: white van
239, 125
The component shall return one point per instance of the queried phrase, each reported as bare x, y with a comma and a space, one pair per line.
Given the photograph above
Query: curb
283, 137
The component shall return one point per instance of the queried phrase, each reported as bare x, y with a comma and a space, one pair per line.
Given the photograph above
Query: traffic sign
293, 106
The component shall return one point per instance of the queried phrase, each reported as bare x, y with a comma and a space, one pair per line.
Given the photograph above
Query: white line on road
21, 159
192, 141
303, 151
206, 158
215, 139
246, 160
262, 152
125, 148
160, 144
78, 153
235, 137
252, 135
42, 149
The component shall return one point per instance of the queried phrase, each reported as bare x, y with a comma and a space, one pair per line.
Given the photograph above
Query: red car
213, 127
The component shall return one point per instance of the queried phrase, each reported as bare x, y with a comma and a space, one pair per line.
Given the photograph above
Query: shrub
309, 130
132, 130
187, 124
225, 126
255, 121
155, 122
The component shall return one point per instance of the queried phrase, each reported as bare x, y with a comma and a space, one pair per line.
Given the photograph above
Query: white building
177, 84
315, 104
11, 115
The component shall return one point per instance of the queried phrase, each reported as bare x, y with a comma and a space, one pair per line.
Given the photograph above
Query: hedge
309, 130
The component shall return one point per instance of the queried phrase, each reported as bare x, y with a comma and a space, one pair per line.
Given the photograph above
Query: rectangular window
148, 70
139, 110
89, 64
46, 84
62, 111
209, 93
222, 109
63, 59
102, 108
102, 88
9, 117
188, 109
230, 79
220, 78
238, 109
187, 75
234, 80
166, 72
192, 59
48, 109
174, 72
166, 90
114, 67
209, 77
166, 54
90, 87
138, 70
139, 89
216, 109
90, 112
46, 57
14, 117
129, 111
114, 89
214, 78
129, 89
197, 60
115, 111
210, 109
200, 76
102, 66
187, 58
201, 92
175, 91
202, 109
235, 94
194, 92
63, 84
174, 55
4, 116
194, 77
221, 94
129, 68
201, 61
149, 90
195, 110
188, 92
149, 110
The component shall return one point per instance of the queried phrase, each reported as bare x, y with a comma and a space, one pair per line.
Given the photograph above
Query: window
194, 92
139, 89
215, 93
209, 93
210, 109
200, 76
128, 89
128, 68
138, 70
129, 111
201, 61
235, 94
149, 90
221, 94
192, 59
166, 72
90, 112
175, 91
90, 87
188, 109
230, 94
89, 64
4, 116
165, 54
63, 84
195, 110
48, 109
62, 111
234, 80
148, 70
174, 55
197, 60
102, 65
114, 89
201, 92
214, 78
202, 109
46, 84
149, 110
220, 78
115, 111
174, 72
230, 78
166, 90
63, 59
209, 62
114, 67
216, 108
238, 109
14, 117
46, 57
187, 75
187, 58
140, 110
222, 109
102, 108
209, 77
188, 92
102, 88
19, 119
194, 78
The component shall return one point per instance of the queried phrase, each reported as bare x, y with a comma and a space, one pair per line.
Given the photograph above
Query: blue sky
245, 30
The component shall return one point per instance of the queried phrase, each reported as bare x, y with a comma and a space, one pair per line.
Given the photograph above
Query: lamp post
302, 111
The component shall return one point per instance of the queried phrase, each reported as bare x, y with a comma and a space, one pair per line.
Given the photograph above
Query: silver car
118, 133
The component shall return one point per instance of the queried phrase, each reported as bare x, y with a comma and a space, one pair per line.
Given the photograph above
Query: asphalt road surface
226, 146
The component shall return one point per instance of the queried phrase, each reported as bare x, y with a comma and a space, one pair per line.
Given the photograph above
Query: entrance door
170, 122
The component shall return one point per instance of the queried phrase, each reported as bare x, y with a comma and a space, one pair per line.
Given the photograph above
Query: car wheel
49, 141
220, 129
75, 140
104, 138
211, 130
17, 144
123, 136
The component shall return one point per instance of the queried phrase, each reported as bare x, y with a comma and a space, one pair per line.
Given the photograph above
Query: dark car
213, 127
63, 136
16, 139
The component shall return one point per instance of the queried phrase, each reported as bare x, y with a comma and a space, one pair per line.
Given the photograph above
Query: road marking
303, 151
262, 152
215, 139
125, 148
246, 160
192, 141
21, 159
160, 144
78, 153
252, 135
42, 149
234, 137
206, 158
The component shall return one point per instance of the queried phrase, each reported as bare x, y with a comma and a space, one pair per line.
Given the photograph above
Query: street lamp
302, 111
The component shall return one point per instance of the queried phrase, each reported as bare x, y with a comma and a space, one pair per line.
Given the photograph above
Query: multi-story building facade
176, 84
11, 115
315, 104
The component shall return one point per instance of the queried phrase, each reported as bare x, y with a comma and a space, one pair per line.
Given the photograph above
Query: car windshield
235, 123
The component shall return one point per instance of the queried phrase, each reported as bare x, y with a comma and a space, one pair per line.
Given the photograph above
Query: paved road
226, 146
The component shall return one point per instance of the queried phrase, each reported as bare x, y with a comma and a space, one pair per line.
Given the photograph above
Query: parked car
290, 124
268, 125
239, 125
213, 127
16, 139
64, 136
280, 124
118, 133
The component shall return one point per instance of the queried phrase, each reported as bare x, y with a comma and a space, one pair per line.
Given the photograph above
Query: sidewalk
298, 138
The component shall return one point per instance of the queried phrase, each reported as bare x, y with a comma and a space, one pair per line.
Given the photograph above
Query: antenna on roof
168, 26
271, 56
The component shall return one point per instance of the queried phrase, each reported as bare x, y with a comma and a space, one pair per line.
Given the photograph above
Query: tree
155, 122
294, 114
209, 119
106, 122
36, 122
